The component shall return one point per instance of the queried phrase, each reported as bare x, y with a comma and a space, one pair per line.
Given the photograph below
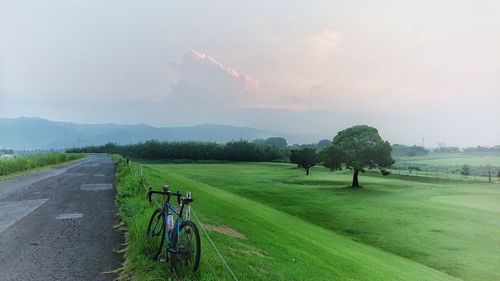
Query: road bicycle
182, 237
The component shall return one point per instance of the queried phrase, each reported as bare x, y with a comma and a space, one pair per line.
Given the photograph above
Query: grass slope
450, 226
278, 245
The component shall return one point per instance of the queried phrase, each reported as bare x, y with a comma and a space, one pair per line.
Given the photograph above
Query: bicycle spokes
187, 251
155, 235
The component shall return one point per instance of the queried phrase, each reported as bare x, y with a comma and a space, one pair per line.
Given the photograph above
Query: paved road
58, 224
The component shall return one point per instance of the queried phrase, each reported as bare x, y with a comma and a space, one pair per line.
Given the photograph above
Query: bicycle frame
169, 209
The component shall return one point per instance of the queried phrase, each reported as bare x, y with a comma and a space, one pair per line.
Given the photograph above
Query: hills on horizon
27, 133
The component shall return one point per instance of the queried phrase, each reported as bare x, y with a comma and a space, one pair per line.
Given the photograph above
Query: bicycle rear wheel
186, 258
155, 235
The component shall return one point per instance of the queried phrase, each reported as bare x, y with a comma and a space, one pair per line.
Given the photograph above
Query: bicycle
184, 254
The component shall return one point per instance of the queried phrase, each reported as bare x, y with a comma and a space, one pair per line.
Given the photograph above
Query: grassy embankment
314, 228
33, 162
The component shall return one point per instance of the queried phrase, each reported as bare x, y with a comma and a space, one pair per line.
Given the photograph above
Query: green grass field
449, 165
453, 159
33, 162
316, 228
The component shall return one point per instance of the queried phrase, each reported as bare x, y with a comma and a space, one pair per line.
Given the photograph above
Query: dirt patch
224, 230
248, 250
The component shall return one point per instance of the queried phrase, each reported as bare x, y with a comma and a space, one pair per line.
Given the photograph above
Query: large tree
304, 158
358, 148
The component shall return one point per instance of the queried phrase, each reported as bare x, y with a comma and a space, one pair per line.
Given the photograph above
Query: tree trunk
307, 172
355, 182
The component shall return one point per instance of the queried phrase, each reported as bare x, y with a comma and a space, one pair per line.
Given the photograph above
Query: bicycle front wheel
155, 235
186, 258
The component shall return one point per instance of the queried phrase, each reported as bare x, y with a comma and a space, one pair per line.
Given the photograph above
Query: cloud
204, 81
324, 44
249, 82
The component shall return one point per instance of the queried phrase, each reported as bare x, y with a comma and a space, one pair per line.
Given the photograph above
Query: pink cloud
203, 81
249, 82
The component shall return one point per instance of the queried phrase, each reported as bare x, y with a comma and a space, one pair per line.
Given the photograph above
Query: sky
413, 69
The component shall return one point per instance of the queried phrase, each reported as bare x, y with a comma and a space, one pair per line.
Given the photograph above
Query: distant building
441, 144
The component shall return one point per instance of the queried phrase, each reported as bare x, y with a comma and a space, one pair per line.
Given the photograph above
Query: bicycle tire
176, 262
150, 248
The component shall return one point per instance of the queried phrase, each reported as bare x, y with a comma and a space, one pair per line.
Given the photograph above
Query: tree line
399, 150
482, 149
190, 150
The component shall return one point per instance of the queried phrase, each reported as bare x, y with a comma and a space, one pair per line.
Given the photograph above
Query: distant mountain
37, 133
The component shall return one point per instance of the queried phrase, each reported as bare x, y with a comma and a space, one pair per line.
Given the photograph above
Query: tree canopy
322, 144
358, 148
304, 158
276, 142
399, 150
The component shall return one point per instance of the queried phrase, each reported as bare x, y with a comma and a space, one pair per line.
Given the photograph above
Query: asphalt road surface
58, 224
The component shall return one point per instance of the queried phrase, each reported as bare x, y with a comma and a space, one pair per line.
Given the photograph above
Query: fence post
489, 174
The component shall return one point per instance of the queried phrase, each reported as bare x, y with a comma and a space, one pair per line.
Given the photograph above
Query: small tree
304, 158
357, 148
465, 170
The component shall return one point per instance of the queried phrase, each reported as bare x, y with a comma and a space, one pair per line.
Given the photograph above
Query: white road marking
99, 175
69, 216
91, 165
96, 186
13, 211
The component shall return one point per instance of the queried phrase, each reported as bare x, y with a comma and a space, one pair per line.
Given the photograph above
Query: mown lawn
278, 244
448, 226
